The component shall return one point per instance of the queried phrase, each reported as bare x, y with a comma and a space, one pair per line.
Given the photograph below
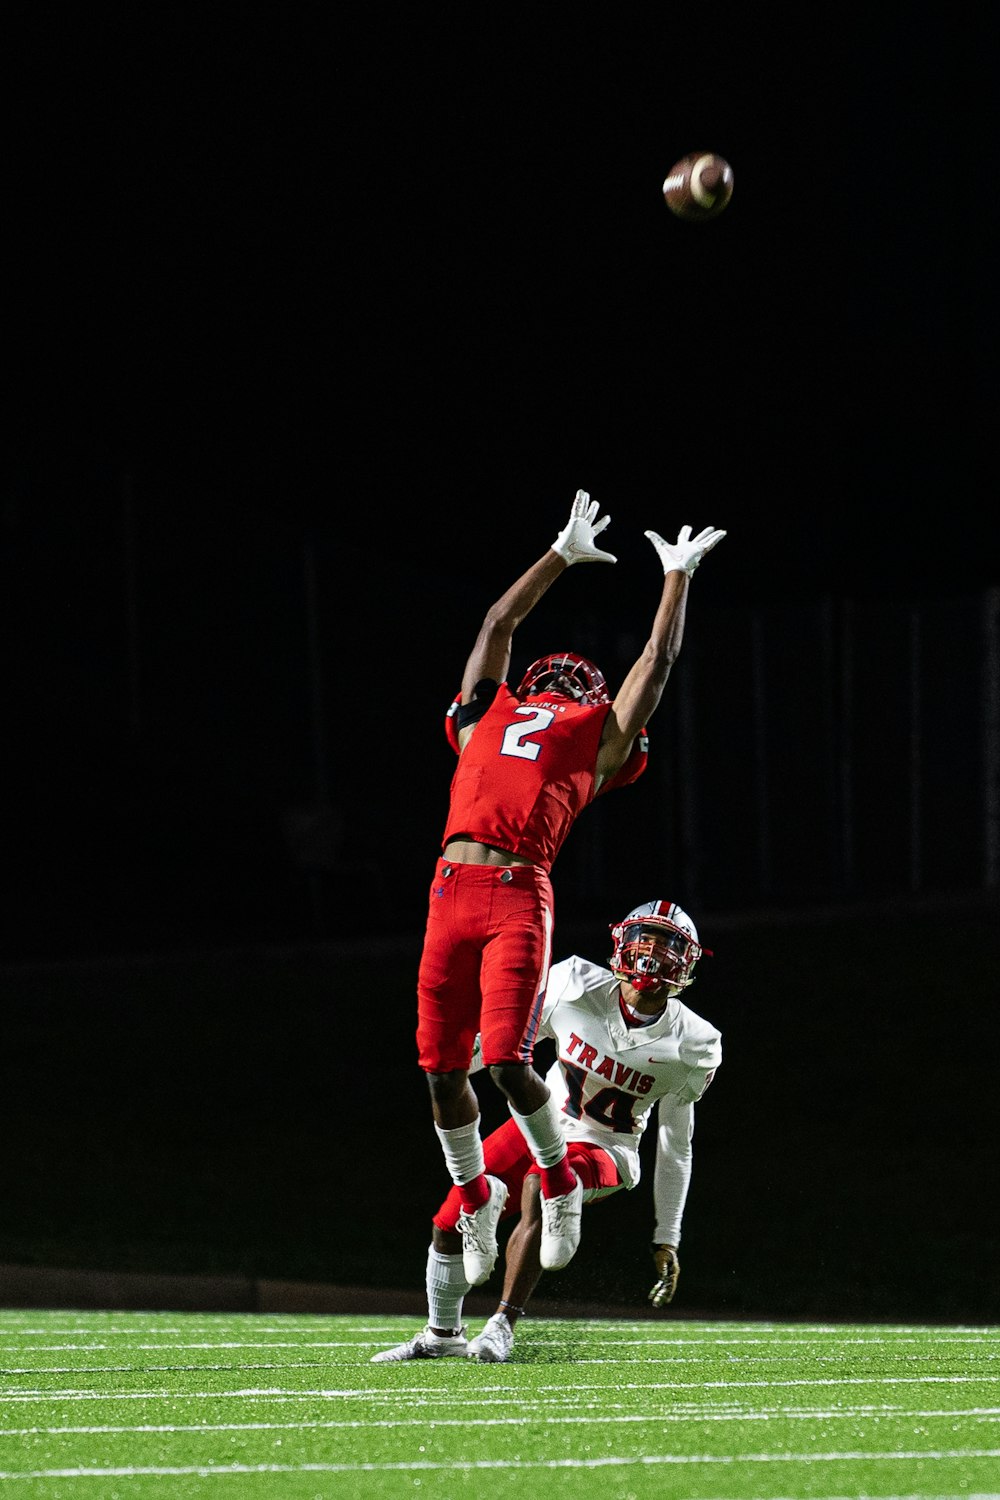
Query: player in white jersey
624, 1042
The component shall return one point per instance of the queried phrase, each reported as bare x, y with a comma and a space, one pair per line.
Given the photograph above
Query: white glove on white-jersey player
684, 555
575, 543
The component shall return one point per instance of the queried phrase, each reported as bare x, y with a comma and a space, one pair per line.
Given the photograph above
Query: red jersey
526, 773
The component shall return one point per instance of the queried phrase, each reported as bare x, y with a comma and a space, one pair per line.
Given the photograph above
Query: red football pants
485, 963
509, 1158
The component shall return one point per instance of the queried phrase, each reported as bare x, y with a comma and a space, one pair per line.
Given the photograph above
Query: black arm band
471, 713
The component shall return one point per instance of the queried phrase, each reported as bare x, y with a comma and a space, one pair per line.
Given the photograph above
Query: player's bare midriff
470, 852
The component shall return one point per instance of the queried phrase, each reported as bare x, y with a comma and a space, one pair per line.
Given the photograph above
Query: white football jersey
607, 1075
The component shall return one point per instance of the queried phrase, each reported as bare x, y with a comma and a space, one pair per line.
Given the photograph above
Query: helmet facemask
653, 953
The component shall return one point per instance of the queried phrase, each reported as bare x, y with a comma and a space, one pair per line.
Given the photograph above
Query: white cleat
561, 1228
493, 1345
426, 1345
479, 1234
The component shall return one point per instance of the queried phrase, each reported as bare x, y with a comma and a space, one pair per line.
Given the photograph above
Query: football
699, 186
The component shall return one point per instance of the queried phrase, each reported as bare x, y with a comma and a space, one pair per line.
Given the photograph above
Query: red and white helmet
656, 945
581, 680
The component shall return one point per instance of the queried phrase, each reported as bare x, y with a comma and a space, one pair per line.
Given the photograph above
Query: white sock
542, 1133
463, 1151
446, 1289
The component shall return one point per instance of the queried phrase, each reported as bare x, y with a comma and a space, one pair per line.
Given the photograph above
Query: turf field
118, 1405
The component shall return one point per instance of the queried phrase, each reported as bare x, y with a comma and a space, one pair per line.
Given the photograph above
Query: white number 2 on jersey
515, 736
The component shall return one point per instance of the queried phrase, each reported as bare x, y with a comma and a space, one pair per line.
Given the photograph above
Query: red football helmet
656, 945
565, 673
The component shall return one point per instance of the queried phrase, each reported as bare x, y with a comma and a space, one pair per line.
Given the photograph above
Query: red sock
558, 1180
475, 1193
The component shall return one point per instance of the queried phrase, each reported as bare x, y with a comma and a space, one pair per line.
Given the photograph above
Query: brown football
699, 186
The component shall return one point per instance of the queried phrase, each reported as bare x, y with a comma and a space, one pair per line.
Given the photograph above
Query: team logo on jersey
620, 1074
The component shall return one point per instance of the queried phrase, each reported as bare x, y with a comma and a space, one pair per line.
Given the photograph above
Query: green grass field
118, 1405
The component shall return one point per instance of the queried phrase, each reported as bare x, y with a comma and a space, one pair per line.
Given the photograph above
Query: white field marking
718, 1343
205, 1471
170, 1348
755, 1358
702, 1385
284, 1324
83, 1331
186, 1320
361, 1339
736, 1348
174, 1369
301, 1364
850, 1413
494, 1392
176, 1332
653, 1344
272, 1393
734, 1360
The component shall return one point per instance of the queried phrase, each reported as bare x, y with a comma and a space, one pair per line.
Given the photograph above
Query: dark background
336, 269
316, 324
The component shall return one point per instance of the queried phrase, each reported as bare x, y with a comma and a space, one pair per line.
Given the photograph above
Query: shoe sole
556, 1265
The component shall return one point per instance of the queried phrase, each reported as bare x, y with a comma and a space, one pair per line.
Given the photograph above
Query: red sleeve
633, 767
451, 721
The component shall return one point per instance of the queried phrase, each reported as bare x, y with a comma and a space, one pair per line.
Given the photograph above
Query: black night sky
347, 266
317, 319
373, 291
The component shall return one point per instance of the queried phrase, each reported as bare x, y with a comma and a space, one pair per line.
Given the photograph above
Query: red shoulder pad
633, 767
451, 721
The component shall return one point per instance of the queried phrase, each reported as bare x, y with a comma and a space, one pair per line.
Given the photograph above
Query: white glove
477, 1064
684, 555
575, 543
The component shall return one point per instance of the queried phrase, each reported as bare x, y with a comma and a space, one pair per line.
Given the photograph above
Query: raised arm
642, 689
490, 656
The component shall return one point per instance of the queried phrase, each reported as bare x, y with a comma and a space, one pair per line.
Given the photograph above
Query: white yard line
983, 1414
361, 1339
755, 1360
615, 1332
174, 1369
169, 1348
203, 1471
716, 1332
492, 1391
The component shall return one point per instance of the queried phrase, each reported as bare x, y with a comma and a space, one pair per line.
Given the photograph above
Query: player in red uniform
529, 762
